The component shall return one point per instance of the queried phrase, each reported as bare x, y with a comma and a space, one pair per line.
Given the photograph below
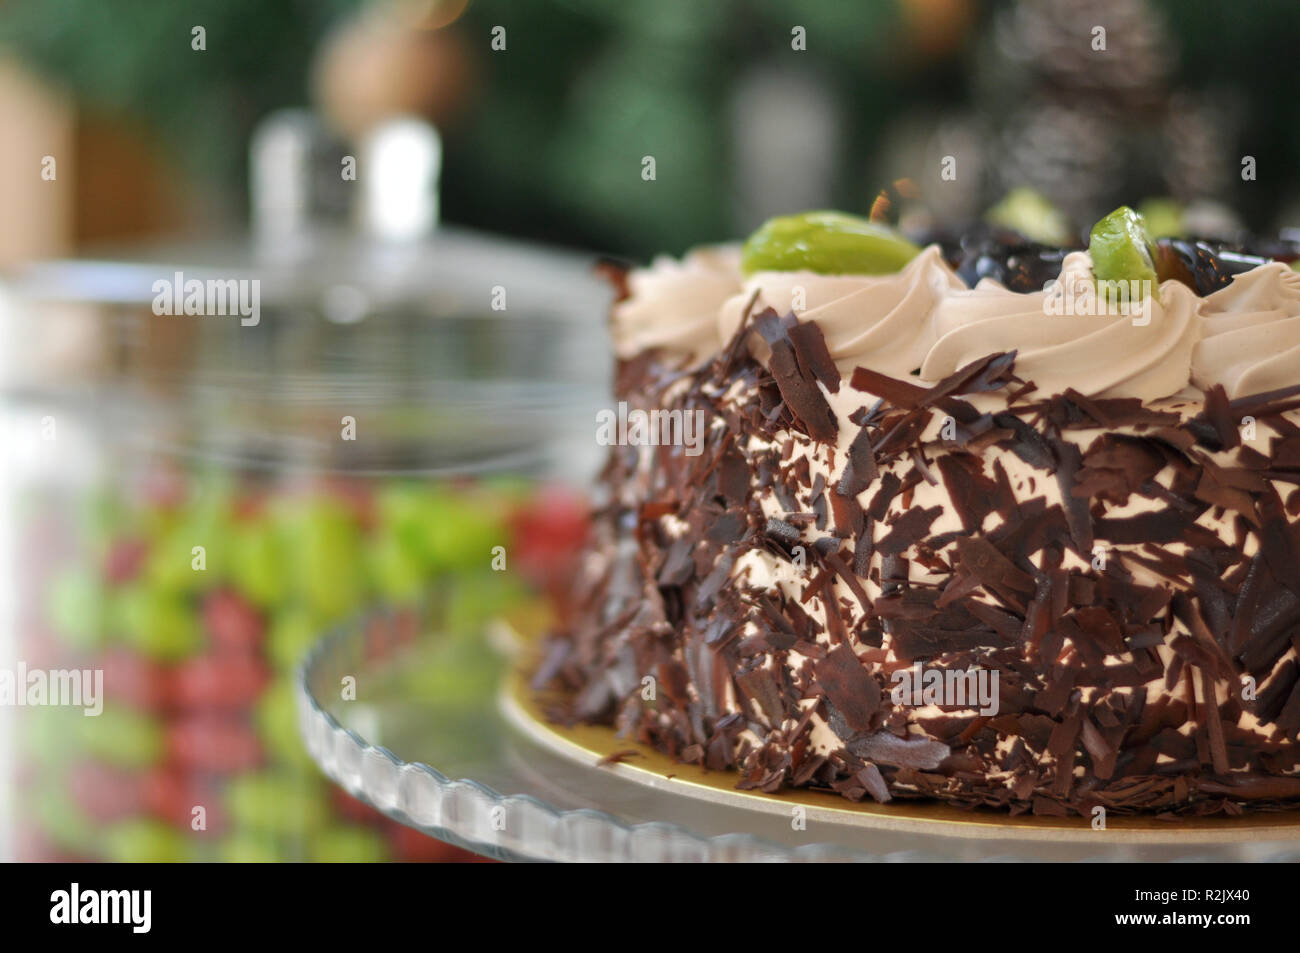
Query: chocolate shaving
853, 692
860, 468
882, 747
971, 492
814, 356
618, 757
909, 529
798, 388
872, 782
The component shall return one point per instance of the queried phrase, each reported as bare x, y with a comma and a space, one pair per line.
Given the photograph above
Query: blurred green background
545, 138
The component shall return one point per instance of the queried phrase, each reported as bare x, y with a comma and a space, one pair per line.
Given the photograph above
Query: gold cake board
593, 744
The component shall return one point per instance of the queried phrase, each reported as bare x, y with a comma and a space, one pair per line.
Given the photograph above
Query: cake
955, 528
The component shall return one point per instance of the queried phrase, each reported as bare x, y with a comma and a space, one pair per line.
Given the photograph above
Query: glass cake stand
439, 732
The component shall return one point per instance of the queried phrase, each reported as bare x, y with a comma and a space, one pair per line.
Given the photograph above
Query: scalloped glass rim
461, 811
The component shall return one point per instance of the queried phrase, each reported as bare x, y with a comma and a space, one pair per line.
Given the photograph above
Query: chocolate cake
911, 490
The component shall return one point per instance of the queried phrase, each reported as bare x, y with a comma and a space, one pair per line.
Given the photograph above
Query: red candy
104, 793
357, 497
212, 744
171, 796
124, 559
227, 681
134, 680
232, 622
354, 809
548, 534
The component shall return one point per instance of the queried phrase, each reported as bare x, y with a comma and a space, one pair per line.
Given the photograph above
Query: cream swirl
1144, 352
672, 305
1250, 333
877, 321
1245, 337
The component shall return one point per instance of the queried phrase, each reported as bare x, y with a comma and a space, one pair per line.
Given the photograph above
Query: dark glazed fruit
1200, 265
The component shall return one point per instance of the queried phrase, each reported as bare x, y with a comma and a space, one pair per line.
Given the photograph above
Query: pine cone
1052, 42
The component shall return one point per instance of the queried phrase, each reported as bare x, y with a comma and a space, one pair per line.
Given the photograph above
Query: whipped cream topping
1250, 333
924, 318
673, 305
1143, 351
878, 321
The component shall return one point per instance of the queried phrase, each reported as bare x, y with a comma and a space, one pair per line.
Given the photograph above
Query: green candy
59, 818
275, 803
52, 737
475, 598
205, 523
76, 606
276, 717
829, 243
400, 507
1028, 212
348, 845
325, 550
158, 623
257, 564
102, 517
170, 563
1121, 248
141, 841
122, 737
430, 529
457, 676
455, 532
395, 570
293, 631
249, 849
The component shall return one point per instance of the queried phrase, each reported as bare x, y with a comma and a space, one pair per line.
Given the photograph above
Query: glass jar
193, 499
